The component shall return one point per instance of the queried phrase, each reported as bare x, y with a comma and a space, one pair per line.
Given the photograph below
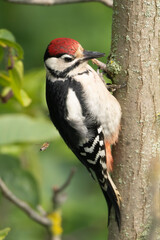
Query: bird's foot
114, 87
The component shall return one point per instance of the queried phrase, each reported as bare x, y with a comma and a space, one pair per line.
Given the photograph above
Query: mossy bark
136, 27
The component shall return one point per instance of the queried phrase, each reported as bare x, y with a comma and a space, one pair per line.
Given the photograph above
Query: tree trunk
136, 167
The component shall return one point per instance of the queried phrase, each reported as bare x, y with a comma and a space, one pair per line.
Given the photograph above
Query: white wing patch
75, 116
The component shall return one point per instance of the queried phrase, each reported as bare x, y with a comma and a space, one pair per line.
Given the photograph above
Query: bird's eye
68, 59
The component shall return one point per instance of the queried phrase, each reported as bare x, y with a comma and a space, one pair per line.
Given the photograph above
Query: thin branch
5, 98
111, 87
108, 3
111, 69
57, 199
24, 206
67, 182
100, 64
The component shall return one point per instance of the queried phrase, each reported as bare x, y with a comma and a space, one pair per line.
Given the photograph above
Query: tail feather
113, 198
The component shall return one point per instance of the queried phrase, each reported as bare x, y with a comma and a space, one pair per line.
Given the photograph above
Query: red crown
60, 46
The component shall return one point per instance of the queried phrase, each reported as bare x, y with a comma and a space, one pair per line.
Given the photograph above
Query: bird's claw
114, 87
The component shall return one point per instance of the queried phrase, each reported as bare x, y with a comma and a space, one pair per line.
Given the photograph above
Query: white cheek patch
58, 64
51, 62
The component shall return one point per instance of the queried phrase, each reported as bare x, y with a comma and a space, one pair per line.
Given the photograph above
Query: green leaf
19, 128
25, 99
1, 53
21, 96
18, 66
5, 91
3, 233
16, 73
4, 76
21, 182
14, 45
7, 35
3, 82
34, 85
16, 76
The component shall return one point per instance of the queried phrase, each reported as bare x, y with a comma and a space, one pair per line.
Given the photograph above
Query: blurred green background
29, 173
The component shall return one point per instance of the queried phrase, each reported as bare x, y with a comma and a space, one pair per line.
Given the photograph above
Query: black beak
90, 55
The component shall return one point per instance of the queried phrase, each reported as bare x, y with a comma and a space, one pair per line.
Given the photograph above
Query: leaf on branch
4, 79
4, 233
25, 100
19, 128
7, 35
13, 78
6, 94
16, 73
1, 53
5, 43
8, 40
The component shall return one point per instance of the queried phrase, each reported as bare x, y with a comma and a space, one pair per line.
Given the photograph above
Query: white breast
101, 103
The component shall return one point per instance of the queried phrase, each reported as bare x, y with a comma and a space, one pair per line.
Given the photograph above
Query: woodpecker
85, 113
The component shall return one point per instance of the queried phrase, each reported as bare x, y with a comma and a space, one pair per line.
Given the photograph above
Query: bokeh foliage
25, 125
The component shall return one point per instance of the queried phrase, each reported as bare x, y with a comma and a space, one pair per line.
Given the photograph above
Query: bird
84, 112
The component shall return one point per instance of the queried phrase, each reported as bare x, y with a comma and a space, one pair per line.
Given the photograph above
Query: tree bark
136, 167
